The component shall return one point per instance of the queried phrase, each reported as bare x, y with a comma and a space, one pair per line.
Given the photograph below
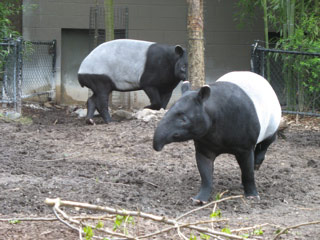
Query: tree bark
196, 68
109, 20
109, 27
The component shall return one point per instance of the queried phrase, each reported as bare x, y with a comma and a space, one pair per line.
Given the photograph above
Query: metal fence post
254, 58
53, 51
15, 63
19, 62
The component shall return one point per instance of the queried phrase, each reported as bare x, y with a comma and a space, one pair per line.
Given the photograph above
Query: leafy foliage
298, 25
14, 221
121, 221
306, 38
192, 237
246, 14
245, 235
88, 231
8, 8
258, 232
216, 214
204, 236
226, 230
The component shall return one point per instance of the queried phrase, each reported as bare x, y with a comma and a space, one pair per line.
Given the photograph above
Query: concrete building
227, 48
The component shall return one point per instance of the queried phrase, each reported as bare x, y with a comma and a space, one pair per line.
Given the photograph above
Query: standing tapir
239, 114
128, 65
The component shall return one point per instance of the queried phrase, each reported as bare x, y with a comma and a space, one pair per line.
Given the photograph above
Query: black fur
164, 68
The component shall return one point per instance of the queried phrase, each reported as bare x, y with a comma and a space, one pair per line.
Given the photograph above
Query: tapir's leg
261, 149
246, 162
205, 159
91, 106
154, 97
165, 99
102, 106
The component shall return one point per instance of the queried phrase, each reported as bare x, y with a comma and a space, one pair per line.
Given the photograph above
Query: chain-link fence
97, 35
294, 75
11, 72
38, 69
27, 70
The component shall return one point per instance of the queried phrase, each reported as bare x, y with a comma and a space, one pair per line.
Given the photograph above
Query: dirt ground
114, 165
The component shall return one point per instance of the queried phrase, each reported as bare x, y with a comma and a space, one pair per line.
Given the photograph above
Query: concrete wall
70, 63
227, 48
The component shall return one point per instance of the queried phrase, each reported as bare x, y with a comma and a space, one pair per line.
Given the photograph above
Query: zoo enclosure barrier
11, 72
98, 34
27, 70
294, 75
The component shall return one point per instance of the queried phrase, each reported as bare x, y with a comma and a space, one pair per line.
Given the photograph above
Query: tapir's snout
158, 147
161, 135
158, 140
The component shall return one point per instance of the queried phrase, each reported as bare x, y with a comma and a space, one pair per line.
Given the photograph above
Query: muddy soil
114, 165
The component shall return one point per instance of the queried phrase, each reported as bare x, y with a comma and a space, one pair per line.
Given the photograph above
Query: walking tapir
128, 65
239, 114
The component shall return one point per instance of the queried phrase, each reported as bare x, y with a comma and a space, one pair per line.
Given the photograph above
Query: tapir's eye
183, 68
182, 118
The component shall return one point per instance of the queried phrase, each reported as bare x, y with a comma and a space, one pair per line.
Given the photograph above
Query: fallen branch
181, 226
208, 205
295, 226
250, 228
44, 219
40, 219
177, 225
57, 209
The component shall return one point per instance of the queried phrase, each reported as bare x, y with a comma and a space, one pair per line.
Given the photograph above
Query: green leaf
226, 230
99, 225
218, 197
204, 236
129, 219
121, 220
245, 235
216, 214
258, 232
14, 221
88, 232
117, 222
192, 237
277, 231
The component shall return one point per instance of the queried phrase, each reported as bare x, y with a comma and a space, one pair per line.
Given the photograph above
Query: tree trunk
109, 27
290, 81
266, 35
109, 20
196, 68
96, 33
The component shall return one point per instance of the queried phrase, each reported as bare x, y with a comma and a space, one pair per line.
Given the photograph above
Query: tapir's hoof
253, 199
257, 166
90, 121
197, 202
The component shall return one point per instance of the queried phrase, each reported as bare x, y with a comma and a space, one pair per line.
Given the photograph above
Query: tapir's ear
185, 87
179, 50
204, 93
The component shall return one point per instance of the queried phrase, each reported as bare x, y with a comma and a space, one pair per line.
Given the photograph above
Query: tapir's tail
81, 80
